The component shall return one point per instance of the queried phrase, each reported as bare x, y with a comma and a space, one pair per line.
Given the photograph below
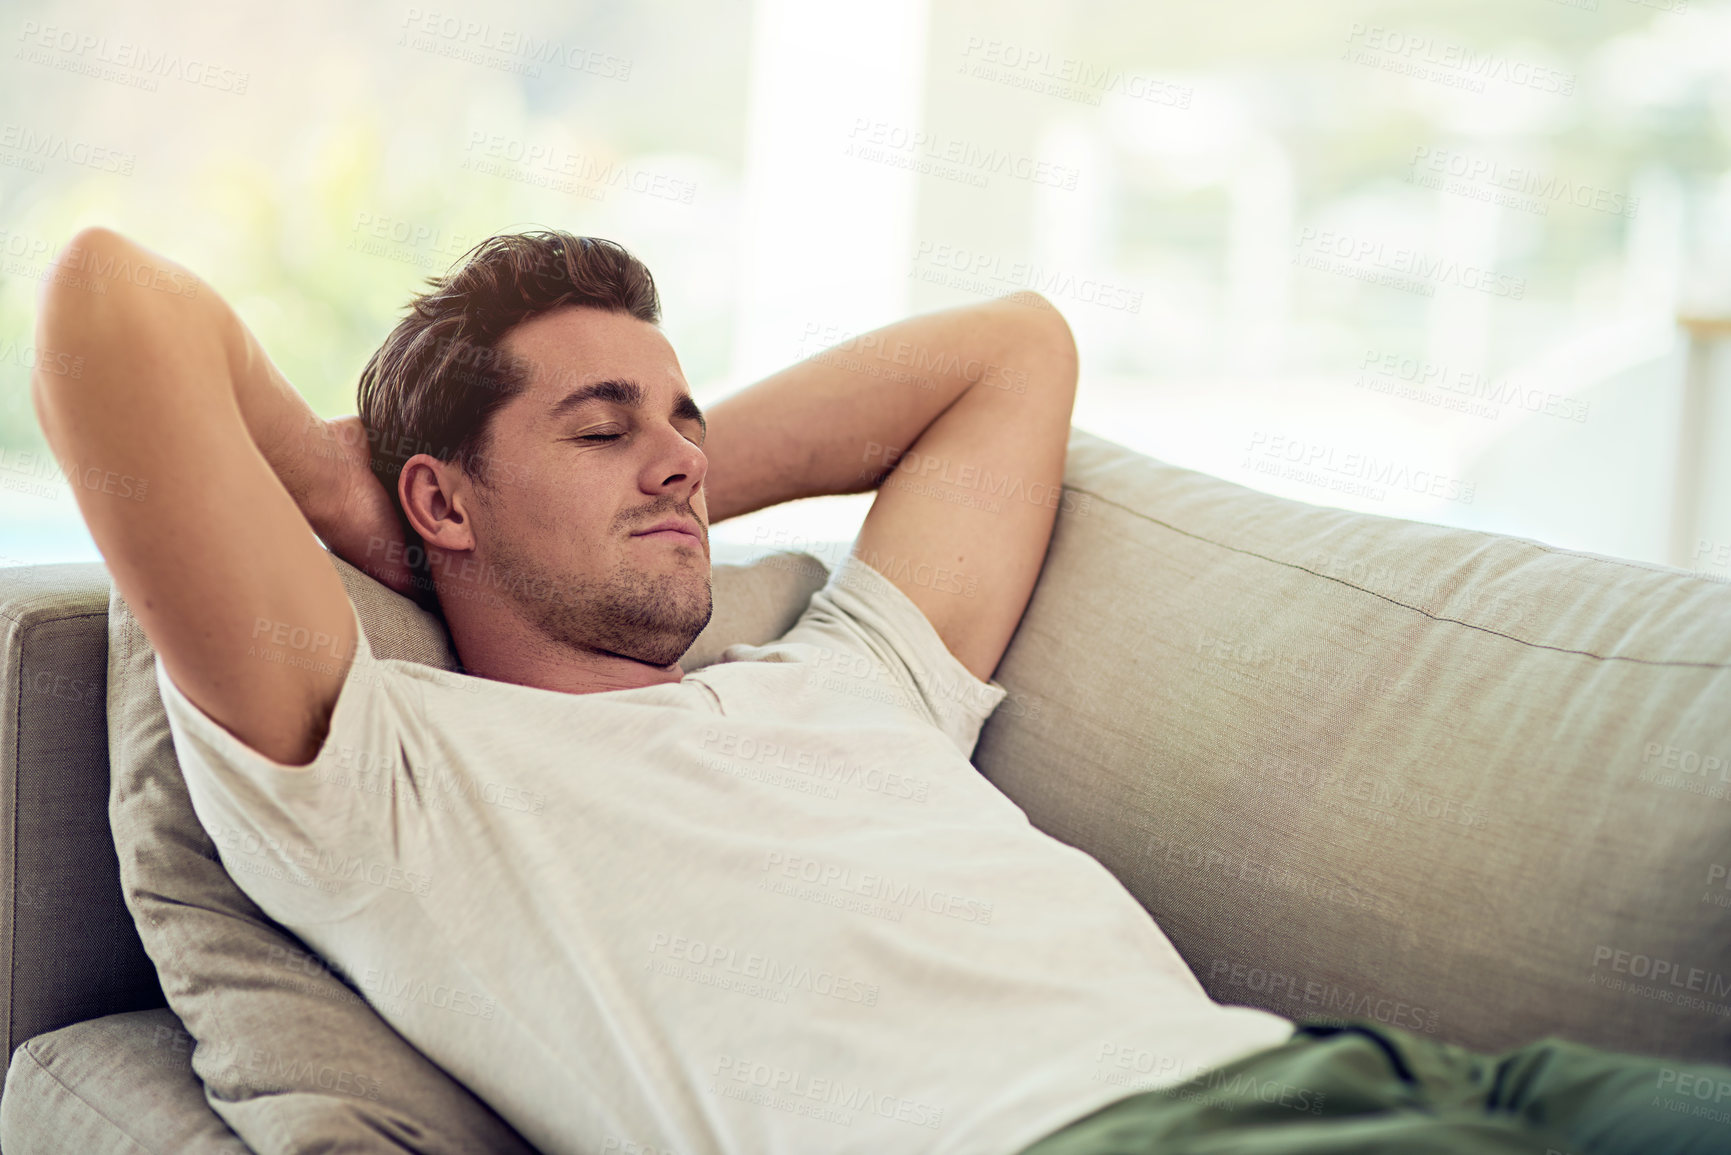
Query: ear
435, 497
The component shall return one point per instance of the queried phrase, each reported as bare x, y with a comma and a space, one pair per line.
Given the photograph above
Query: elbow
95, 238
1039, 330
1063, 340
71, 290
75, 309
102, 285
91, 247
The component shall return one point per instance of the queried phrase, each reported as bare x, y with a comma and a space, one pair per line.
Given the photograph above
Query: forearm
836, 422
305, 451
144, 349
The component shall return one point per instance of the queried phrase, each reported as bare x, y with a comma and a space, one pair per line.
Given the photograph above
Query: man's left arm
960, 419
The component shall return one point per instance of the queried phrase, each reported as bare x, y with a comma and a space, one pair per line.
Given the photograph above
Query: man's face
602, 447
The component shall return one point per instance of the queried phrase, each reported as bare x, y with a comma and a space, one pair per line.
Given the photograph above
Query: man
683, 953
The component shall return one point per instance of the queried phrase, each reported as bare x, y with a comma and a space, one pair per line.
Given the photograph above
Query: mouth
674, 529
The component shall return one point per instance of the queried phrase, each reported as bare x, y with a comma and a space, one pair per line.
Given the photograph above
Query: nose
678, 467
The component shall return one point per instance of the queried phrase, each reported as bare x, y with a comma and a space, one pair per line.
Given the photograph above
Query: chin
683, 605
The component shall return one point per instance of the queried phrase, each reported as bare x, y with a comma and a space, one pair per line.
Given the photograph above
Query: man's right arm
211, 544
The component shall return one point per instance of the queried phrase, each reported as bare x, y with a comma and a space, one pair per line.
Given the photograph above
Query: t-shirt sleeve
312, 843
866, 629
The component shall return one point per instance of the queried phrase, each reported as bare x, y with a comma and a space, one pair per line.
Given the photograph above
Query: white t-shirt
770, 908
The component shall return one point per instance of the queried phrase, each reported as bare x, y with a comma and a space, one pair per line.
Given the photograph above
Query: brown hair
436, 382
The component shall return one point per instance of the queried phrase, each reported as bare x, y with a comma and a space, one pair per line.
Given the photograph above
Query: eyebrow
622, 392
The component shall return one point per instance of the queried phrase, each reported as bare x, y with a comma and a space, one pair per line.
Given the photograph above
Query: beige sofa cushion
289, 1055
1466, 784
116, 1085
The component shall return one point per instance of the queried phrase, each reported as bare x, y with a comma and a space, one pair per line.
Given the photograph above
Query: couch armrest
68, 948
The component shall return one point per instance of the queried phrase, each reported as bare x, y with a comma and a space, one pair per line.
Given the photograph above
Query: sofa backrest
68, 948
1466, 784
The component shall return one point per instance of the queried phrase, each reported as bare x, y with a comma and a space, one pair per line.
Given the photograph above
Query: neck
505, 648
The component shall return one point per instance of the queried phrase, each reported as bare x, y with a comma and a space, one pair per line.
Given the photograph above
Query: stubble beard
646, 616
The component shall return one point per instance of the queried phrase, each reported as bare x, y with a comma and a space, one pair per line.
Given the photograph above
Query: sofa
1356, 767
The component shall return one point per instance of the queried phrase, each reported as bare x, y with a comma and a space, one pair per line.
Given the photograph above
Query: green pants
1363, 1088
